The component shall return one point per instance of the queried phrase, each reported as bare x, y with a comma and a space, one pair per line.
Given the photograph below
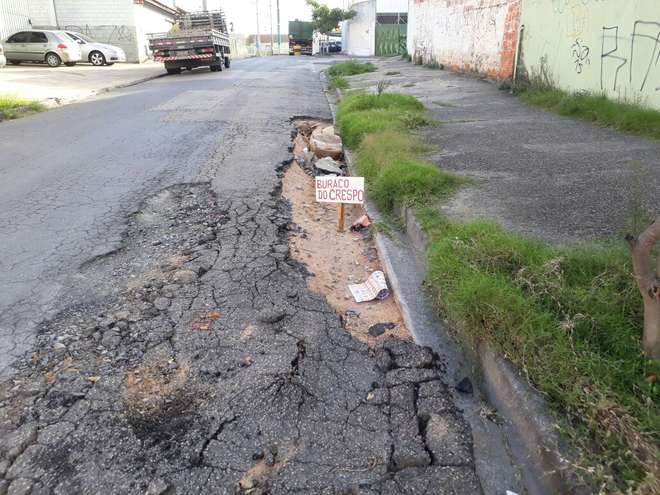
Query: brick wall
466, 35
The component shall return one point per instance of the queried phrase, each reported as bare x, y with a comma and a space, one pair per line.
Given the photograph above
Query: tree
326, 19
647, 275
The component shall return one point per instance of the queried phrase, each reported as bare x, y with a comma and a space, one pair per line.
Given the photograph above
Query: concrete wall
610, 46
359, 34
148, 20
468, 35
20, 15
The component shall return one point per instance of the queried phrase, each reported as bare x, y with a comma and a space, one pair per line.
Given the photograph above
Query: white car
3, 60
97, 53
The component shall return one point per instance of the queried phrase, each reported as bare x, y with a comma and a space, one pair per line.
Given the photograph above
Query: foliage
338, 72
623, 116
13, 108
326, 19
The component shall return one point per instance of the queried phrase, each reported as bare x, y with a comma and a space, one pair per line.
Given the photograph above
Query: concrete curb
529, 427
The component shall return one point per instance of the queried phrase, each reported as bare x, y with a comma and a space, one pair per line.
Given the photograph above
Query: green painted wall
610, 46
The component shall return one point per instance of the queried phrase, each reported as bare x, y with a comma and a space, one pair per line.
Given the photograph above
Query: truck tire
173, 70
227, 62
216, 68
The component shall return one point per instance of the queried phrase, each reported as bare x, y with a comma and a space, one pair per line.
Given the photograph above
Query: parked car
97, 53
3, 59
52, 47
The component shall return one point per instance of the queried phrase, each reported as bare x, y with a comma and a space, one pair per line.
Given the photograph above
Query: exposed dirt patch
336, 259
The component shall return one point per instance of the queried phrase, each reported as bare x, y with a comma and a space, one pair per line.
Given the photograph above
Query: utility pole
270, 16
279, 36
205, 7
57, 21
258, 34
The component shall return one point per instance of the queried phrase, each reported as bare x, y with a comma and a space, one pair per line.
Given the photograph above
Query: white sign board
333, 189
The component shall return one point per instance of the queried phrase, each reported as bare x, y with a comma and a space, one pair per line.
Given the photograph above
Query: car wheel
97, 58
69, 64
53, 59
15, 62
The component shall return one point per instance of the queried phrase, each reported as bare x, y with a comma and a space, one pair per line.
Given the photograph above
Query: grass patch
338, 82
626, 117
359, 114
337, 73
392, 73
14, 108
569, 317
351, 68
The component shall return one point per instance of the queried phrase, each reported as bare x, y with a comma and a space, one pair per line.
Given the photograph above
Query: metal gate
391, 33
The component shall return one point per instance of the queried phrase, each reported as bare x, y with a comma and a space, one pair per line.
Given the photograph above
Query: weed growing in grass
409, 85
382, 86
13, 108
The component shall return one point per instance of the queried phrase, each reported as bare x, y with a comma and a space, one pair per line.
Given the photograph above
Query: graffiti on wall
636, 56
580, 55
106, 33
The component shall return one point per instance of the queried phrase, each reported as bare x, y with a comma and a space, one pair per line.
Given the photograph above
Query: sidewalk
535, 172
62, 85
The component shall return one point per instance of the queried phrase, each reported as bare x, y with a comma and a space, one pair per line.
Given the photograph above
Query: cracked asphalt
157, 337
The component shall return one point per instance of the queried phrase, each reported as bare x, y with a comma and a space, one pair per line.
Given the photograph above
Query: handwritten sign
333, 189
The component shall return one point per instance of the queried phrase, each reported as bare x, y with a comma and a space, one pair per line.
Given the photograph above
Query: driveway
55, 86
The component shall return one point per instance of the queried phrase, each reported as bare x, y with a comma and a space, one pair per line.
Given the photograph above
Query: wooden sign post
340, 190
340, 217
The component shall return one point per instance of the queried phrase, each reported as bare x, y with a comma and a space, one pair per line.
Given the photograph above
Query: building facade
609, 47
124, 23
378, 28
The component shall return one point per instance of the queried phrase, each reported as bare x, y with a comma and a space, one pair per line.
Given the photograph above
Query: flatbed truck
200, 39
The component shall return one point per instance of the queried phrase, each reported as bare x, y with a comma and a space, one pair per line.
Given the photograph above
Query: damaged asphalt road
193, 358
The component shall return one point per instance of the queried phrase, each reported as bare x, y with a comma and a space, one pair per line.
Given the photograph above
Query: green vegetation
340, 71
392, 73
13, 108
569, 317
326, 19
351, 68
626, 117
359, 114
338, 82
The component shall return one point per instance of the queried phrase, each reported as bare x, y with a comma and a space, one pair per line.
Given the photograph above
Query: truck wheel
173, 70
227, 62
216, 68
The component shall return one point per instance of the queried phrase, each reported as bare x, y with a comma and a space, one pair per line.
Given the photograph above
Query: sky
243, 13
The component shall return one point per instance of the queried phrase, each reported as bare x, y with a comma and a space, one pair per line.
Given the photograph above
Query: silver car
52, 47
97, 53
